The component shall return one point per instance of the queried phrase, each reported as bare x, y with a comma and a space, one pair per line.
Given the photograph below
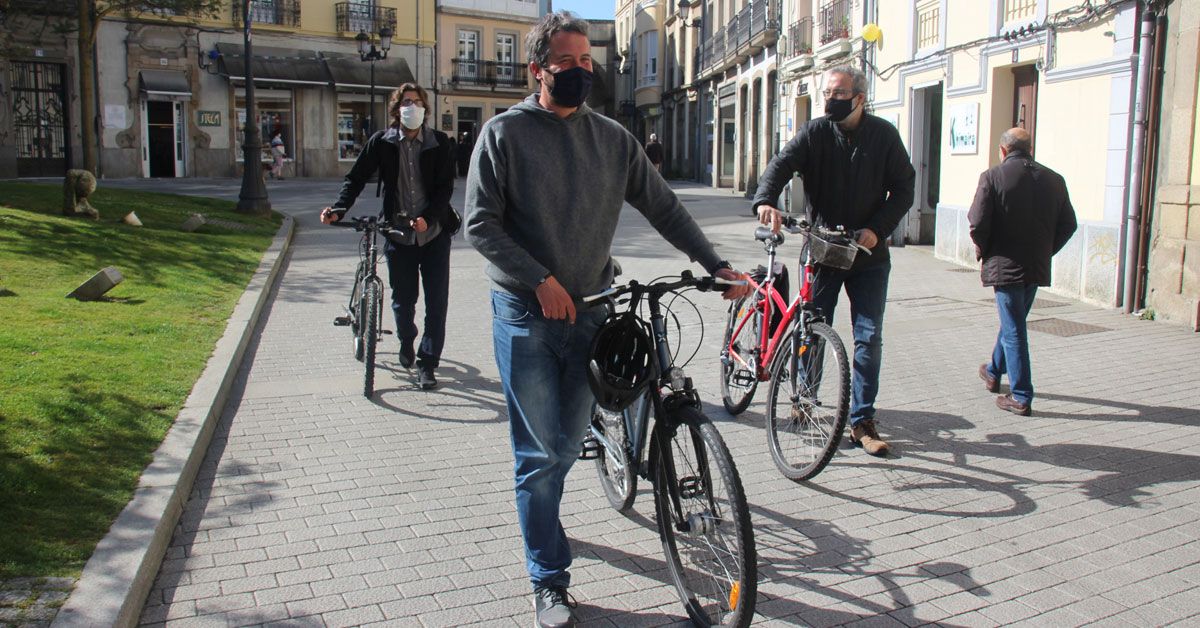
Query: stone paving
317, 507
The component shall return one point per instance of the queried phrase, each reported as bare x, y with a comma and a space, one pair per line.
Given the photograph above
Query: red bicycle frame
767, 341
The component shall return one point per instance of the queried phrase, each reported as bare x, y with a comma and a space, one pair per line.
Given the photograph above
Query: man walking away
1020, 218
654, 151
856, 175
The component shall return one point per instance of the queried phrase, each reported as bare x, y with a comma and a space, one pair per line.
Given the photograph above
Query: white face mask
412, 116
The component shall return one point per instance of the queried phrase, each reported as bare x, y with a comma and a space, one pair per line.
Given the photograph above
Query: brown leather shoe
866, 436
992, 384
1006, 402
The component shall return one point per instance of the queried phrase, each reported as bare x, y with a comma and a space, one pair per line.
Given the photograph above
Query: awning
164, 83
274, 65
351, 71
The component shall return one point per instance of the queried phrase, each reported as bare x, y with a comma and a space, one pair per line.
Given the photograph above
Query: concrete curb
118, 577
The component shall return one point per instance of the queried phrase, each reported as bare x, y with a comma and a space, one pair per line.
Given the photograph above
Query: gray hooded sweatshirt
544, 194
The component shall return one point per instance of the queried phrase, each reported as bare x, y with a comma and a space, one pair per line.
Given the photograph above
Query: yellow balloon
872, 32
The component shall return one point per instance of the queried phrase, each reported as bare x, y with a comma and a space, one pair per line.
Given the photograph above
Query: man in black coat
416, 169
858, 175
1020, 218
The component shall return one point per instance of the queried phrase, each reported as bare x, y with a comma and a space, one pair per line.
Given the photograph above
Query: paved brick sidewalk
318, 507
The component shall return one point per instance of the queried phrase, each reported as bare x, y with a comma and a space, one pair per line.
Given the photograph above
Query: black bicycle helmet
620, 366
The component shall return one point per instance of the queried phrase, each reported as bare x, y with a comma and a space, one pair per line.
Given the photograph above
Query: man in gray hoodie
546, 184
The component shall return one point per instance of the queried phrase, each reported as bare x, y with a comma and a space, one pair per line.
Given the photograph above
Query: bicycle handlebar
366, 223
838, 235
658, 288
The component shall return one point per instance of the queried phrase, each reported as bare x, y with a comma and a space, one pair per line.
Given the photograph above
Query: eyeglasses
408, 102
839, 94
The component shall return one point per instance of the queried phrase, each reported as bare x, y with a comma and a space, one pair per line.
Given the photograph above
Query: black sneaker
553, 607
407, 355
425, 378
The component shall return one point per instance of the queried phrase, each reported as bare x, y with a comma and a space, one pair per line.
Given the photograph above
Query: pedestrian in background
654, 151
1020, 218
856, 174
278, 153
416, 168
547, 183
463, 153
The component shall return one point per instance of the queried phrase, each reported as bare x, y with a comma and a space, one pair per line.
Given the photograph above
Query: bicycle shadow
463, 395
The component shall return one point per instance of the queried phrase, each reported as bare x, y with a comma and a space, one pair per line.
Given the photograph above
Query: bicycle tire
805, 432
719, 584
372, 299
356, 313
737, 398
616, 475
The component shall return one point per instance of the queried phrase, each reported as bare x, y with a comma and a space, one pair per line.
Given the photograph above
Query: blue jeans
432, 263
867, 290
1011, 353
543, 368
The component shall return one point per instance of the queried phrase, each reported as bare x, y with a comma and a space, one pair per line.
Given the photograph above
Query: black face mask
838, 110
571, 86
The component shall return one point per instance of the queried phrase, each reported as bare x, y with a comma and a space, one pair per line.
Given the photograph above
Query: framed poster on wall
964, 128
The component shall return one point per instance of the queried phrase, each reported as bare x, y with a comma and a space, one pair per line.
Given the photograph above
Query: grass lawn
89, 389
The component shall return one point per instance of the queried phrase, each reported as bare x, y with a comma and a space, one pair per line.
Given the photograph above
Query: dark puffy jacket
1020, 218
437, 174
856, 180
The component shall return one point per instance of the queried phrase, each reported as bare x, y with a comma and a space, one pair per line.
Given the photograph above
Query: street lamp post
368, 52
253, 196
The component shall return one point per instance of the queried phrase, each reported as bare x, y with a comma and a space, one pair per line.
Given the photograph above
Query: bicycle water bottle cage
620, 366
764, 234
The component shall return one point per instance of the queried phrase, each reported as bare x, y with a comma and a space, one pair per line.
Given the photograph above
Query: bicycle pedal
743, 378
385, 332
341, 321
592, 449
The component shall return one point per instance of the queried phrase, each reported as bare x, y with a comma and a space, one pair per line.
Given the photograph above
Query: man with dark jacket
857, 175
416, 168
654, 152
1020, 218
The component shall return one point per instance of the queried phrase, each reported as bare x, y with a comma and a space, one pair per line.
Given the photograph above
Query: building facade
482, 65
171, 88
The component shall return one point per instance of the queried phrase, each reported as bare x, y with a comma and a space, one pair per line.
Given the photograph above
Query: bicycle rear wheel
703, 520
738, 382
808, 400
612, 465
372, 300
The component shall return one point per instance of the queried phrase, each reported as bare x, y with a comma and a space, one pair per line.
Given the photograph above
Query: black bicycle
364, 312
700, 506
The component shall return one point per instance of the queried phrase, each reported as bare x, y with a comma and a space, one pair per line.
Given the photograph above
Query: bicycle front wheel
739, 380
357, 308
612, 465
703, 520
808, 400
372, 300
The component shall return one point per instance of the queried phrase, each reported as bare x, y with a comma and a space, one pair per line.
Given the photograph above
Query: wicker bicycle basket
827, 253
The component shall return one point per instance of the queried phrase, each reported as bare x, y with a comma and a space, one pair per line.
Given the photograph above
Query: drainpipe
1134, 209
1149, 178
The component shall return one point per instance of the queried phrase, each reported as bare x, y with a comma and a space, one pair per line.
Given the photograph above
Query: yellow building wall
1195, 178
319, 17
1073, 140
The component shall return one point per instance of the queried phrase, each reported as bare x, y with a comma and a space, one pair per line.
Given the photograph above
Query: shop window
274, 114
351, 127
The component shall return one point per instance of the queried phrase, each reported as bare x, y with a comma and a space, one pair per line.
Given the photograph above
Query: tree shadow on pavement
1123, 474
1168, 415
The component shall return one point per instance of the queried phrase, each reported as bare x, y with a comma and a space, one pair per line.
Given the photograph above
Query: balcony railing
799, 38
281, 12
489, 73
1019, 10
835, 21
41, 7
353, 17
757, 17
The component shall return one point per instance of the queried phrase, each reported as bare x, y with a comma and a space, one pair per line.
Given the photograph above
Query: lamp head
385, 39
364, 42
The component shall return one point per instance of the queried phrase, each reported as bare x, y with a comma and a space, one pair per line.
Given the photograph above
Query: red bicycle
794, 348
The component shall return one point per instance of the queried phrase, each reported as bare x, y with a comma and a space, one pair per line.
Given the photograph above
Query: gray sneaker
553, 607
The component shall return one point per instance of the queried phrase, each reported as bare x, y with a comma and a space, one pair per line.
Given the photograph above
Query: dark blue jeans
410, 267
543, 369
867, 290
1011, 353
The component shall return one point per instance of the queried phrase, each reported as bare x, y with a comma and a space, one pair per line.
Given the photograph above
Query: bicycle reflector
620, 365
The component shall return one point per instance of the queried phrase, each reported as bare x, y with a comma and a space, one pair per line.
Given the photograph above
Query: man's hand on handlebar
329, 215
867, 239
734, 292
771, 216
